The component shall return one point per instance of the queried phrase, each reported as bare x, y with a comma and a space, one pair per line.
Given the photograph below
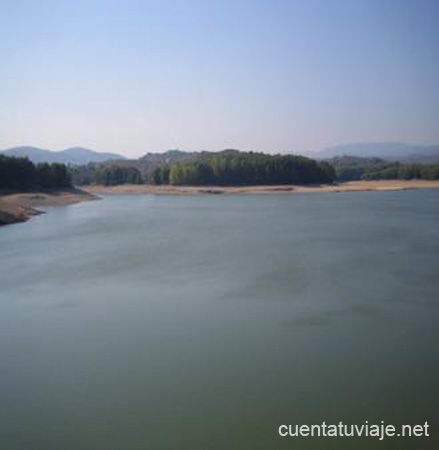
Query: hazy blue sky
136, 76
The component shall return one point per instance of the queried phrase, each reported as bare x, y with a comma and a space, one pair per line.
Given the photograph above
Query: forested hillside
228, 167
349, 168
231, 167
405, 172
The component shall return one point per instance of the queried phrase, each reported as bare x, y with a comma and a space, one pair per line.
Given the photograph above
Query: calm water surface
205, 322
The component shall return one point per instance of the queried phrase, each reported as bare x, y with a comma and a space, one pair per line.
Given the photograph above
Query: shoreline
349, 186
21, 206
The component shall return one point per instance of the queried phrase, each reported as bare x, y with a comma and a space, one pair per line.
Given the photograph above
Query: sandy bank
352, 186
18, 207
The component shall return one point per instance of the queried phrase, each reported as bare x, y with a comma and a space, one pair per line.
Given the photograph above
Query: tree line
405, 172
349, 168
232, 167
22, 174
107, 175
113, 175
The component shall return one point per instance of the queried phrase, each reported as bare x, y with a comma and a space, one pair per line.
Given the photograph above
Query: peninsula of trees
231, 168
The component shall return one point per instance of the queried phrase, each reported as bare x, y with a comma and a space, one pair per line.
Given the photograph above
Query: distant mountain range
390, 151
74, 155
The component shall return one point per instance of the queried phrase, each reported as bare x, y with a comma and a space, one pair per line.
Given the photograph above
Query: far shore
21, 206
351, 186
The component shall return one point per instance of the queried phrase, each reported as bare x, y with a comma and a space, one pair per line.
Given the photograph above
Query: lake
206, 322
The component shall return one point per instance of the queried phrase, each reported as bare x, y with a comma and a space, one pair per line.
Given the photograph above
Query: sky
292, 75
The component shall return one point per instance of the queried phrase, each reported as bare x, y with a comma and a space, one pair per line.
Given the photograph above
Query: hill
71, 156
348, 168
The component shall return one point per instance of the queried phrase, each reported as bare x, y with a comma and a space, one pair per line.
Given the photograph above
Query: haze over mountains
389, 151
73, 155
